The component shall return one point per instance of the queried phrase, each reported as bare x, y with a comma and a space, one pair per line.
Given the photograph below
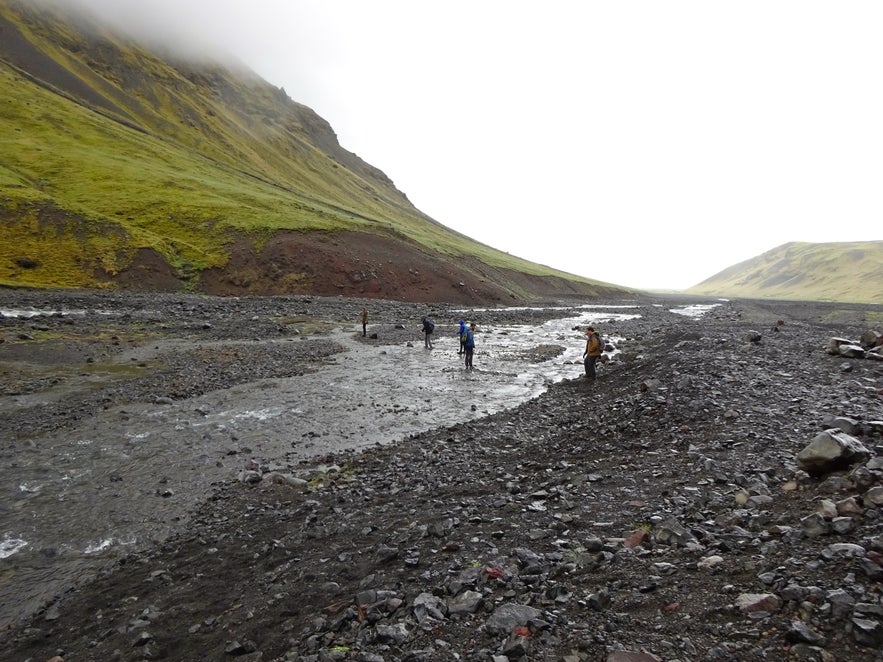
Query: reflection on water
9, 546
587, 307
129, 476
695, 310
43, 312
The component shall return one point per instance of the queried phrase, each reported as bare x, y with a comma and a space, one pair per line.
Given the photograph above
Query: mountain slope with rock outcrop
126, 167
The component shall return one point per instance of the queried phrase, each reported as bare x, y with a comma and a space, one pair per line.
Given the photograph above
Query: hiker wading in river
469, 345
428, 328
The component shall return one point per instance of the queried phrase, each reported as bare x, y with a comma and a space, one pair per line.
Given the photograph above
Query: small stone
710, 561
755, 602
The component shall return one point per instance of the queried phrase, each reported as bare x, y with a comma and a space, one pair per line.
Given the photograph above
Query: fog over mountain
647, 119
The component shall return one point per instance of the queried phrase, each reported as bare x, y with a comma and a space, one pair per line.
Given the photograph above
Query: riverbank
540, 532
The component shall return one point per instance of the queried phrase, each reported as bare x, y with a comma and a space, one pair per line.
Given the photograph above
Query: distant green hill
847, 272
124, 168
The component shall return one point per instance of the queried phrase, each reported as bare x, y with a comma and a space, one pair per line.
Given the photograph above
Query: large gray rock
852, 351
396, 633
831, 450
834, 345
671, 532
427, 605
844, 423
467, 602
814, 525
751, 602
868, 632
871, 339
874, 496
509, 616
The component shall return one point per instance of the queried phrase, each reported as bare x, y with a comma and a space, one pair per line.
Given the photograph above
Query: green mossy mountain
846, 272
124, 167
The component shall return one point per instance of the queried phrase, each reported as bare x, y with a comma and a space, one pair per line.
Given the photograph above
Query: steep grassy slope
119, 167
849, 272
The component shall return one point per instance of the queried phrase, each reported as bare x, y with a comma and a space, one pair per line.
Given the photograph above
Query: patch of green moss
307, 325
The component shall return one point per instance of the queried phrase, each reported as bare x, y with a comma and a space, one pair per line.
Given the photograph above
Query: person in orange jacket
594, 349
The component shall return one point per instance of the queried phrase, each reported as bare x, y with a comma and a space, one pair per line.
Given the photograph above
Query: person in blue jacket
470, 345
461, 337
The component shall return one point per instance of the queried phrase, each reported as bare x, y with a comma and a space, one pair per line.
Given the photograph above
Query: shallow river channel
78, 499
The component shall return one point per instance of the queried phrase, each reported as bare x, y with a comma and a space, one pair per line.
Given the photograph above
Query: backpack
430, 325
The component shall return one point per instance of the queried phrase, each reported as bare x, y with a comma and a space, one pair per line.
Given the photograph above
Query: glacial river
78, 499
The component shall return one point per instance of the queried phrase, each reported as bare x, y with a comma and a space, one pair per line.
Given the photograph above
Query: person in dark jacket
428, 328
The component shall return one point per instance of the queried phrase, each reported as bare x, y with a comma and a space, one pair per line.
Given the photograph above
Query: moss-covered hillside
120, 167
847, 271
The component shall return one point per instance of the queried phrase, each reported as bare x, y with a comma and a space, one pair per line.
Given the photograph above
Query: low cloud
190, 30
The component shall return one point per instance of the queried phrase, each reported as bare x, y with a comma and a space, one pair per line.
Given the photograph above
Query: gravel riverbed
659, 513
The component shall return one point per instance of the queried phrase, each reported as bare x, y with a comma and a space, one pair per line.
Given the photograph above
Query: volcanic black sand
658, 513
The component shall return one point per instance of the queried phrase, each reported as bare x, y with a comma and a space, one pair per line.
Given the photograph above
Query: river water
78, 499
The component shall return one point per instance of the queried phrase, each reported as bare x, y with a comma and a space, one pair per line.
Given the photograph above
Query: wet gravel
657, 514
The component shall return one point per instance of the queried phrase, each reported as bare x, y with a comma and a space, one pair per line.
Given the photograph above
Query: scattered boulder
870, 346
753, 602
831, 450
509, 616
870, 339
672, 532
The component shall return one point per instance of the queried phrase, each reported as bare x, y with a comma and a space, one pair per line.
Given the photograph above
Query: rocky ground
661, 513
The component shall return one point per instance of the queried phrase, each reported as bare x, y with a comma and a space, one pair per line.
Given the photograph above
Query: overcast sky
648, 144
